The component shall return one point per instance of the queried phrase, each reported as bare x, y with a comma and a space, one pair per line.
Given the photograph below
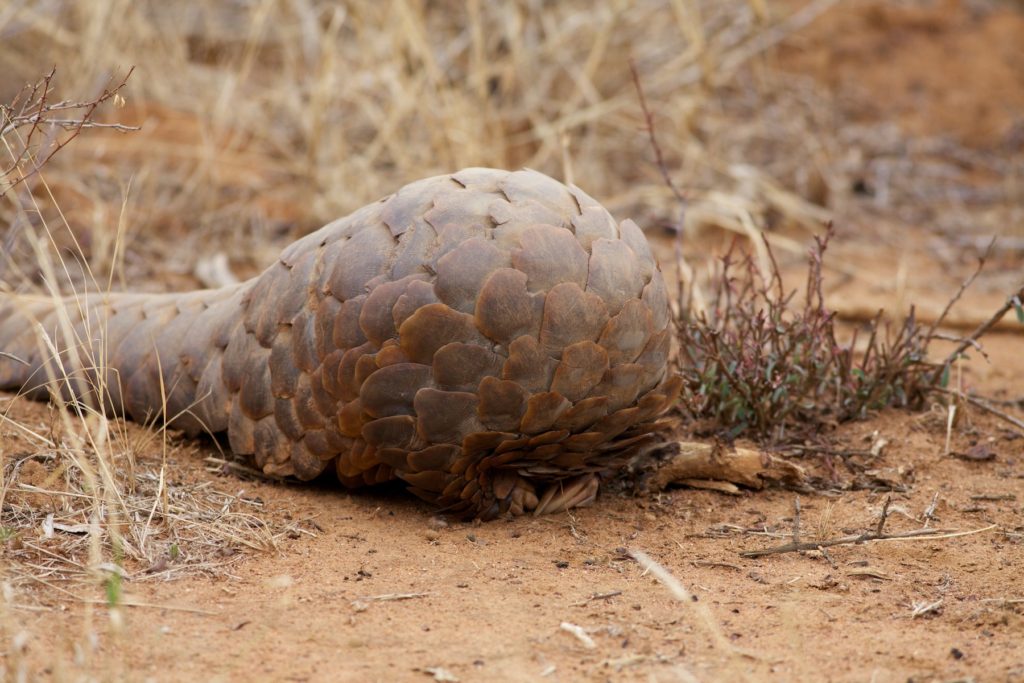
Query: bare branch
30, 113
963, 287
1012, 302
649, 127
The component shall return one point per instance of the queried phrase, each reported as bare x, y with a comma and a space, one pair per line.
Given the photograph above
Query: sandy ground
371, 586
387, 592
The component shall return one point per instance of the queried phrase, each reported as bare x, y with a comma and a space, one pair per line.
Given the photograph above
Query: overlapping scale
571, 315
462, 272
505, 309
550, 256
582, 366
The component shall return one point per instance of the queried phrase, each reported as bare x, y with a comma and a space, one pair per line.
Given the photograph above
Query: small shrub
756, 365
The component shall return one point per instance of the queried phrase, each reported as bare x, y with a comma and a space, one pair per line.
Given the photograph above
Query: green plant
758, 366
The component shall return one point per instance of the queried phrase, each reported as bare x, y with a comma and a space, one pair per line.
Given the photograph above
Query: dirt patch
938, 68
386, 591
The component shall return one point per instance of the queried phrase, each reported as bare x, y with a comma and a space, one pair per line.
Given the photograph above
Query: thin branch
31, 109
73, 124
865, 537
649, 127
884, 516
1012, 302
981, 403
392, 597
796, 520
963, 287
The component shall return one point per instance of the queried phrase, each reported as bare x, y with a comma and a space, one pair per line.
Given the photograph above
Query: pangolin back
492, 338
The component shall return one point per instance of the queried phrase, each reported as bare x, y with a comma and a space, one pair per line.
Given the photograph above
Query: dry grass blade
707, 621
12, 357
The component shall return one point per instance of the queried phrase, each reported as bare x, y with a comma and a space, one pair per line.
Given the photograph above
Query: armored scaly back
492, 338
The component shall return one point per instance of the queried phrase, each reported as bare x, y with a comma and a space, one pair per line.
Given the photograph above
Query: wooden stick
933, 534
979, 402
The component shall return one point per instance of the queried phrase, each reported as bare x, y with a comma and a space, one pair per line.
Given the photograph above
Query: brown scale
493, 339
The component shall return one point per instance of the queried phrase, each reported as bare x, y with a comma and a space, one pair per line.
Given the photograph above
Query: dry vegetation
263, 121
257, 122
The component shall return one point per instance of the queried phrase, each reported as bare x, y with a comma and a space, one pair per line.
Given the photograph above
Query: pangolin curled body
494, 339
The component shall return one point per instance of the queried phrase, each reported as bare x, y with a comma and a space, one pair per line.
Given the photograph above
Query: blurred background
260, 120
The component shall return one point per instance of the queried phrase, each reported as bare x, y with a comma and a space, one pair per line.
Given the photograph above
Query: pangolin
493, 339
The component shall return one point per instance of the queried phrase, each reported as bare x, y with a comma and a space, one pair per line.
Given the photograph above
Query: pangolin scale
494, 339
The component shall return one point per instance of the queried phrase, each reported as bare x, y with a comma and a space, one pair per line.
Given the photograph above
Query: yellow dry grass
263, 120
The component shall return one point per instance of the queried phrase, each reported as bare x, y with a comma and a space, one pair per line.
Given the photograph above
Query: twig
391, 597
979, 402
31, 108
597, 596
1012, 301
828, 556
796, 520
649, 127
883, 517
151, 605
931, 534
963, 287
1012, 402
710, 563
976, 345
71, 124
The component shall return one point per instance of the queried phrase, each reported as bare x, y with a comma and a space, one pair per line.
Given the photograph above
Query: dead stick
1013, 301
649, 126
963, 288
867, 536
597, 596
885, 515
827, 556
845, 540
796, 520
979, 402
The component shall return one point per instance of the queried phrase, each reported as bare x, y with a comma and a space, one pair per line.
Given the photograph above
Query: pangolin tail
141, 355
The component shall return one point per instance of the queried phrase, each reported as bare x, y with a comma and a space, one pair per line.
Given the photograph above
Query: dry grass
87, 504
263, 120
